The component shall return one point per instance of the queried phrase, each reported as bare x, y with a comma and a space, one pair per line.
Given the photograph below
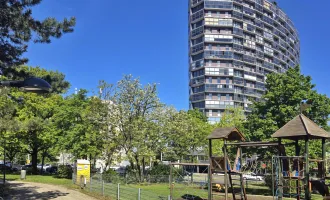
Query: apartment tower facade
233, 45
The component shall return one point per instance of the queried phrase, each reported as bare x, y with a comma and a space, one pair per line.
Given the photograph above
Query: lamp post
31, 84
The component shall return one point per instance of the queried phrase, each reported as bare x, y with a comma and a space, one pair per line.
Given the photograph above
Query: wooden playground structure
290, 174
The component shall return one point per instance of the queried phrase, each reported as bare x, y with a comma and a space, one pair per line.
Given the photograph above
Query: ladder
241, 184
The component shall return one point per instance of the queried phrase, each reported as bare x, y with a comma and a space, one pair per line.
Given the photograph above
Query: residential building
233, 45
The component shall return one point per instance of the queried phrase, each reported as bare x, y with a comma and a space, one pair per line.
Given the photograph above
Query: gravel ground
26, 190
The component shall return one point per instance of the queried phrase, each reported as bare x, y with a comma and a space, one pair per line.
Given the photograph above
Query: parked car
252, 176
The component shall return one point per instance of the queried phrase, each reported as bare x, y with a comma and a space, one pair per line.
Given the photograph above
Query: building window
210, 80
218, 80
227, 80
210, 96
227, 97
219, 96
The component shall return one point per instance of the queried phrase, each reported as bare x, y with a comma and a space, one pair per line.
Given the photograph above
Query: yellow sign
83, 171
27, 161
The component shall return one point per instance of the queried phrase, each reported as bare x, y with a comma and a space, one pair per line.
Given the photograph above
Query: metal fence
153, 187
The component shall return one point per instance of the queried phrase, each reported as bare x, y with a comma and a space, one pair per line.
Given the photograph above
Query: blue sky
149, 39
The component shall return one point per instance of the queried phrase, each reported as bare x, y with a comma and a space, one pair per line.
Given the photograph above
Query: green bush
64, 171
268, 181
160, 170
112, 176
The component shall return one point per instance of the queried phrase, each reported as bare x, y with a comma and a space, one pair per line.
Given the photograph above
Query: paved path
27, 190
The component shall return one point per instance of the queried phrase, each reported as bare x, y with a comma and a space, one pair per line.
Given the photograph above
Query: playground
278, 177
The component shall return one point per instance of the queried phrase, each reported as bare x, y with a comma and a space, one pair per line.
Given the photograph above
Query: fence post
169, 197
102, 188
139, 195
118, 191
90, 184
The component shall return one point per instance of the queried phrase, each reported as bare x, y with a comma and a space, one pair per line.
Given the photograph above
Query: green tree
232, 117
281, 103
18, 27
186, 132
33, 116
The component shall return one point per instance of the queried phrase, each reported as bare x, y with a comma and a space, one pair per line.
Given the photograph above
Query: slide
321, 187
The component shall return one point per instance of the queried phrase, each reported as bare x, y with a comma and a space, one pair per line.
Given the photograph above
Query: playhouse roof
299, 128
230, 133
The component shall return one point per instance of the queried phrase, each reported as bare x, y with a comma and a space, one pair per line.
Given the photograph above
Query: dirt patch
27, 190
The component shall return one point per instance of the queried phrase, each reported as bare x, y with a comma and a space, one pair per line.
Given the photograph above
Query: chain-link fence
124, 188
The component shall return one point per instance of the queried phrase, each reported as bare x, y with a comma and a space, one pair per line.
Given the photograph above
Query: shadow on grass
191, 197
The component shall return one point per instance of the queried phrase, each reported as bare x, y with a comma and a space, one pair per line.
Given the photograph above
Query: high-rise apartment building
233, 45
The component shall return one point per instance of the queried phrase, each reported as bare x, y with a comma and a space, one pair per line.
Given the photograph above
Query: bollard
102, 188
118, 191
139, 195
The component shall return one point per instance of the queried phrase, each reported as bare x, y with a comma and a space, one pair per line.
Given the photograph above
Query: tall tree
18, 27
281, 103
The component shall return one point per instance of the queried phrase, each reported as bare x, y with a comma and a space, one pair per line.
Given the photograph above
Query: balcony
197, 31
237, 15
195, 2
268, 65
198, 15
214, 88
218, 54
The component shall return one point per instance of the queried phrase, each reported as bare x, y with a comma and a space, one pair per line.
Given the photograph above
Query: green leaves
18, 27
281, 103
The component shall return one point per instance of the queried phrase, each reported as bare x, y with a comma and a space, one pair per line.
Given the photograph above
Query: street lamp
31, 84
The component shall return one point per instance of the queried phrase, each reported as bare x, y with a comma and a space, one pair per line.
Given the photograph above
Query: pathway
36, 191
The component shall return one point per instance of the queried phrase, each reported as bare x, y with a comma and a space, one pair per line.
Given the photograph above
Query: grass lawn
153, 191
41, 179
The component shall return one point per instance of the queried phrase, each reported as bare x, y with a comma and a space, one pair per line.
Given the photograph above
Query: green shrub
160, 170
64, 171
112, 176
268, 181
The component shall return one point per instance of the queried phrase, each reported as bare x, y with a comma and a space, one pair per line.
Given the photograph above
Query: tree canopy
18, 27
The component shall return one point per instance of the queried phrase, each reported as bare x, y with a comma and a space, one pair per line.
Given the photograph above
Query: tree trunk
34, 156
143, 167
138, 167
43, 162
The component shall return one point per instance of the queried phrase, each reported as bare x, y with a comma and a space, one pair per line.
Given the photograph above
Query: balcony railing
197, 15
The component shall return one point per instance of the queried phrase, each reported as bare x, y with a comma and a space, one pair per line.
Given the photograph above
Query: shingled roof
230, 133
299, 128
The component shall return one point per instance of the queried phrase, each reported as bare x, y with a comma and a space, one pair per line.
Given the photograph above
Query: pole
210, 171
307, 192
139, 194
323, 158
4, 161
171, 181
297, 168
118, 191
273, 178
226, 178
102, 188
90, 184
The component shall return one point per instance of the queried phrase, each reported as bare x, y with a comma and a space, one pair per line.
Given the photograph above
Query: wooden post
323, 158
307, 192
225, 177
297, 150
280, 169
210, 170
